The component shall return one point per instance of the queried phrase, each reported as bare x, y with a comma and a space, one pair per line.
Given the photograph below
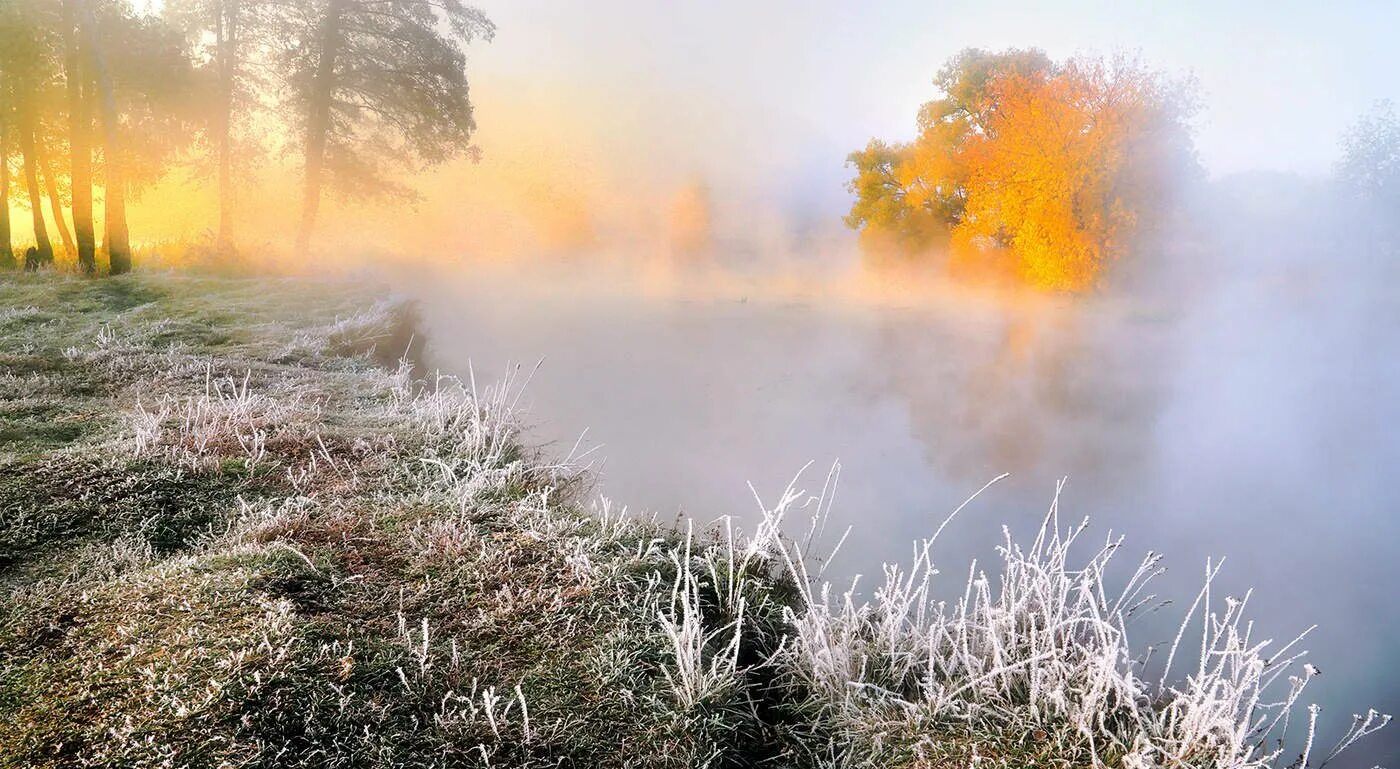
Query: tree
55, 201
377, 87
29, 155
1370, 164
26, 51
1369, 173
910, 194
227, 18
118, 239
1062, 176
57, 59
227, 38
887, 206
142, 79
77, 76
7, 249
1048, 170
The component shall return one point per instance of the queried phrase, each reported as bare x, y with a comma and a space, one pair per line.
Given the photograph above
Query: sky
785, 80
609, 109
768, 96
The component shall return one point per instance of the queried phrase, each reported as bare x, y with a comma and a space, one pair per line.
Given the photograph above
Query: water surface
1249, 418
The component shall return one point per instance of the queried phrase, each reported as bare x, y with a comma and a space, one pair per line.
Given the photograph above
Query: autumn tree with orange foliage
1048, 171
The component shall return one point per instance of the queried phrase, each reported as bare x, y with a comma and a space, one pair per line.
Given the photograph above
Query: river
1236, 416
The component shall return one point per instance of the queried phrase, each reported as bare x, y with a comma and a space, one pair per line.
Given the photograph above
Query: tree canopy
1370, 164
1048, 170
375, 88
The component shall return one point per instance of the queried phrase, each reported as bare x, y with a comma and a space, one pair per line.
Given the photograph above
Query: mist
649, 217
1230, 394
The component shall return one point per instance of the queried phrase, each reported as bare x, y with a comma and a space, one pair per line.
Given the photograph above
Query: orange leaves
1050, 170
1040, 180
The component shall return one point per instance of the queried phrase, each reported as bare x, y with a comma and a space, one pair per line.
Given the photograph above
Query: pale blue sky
766, 97
790, 86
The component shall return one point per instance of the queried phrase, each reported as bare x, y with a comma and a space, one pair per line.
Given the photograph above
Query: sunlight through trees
100, 94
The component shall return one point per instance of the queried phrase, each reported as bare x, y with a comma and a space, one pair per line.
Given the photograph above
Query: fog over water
1241, 403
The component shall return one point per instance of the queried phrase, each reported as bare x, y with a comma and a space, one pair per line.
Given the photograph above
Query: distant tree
376, 87
1052, 170
26, 72
1069, 169
115, 232
7, 249
51, 186
1369, 171
77, 73
911, 193
142, 80
228, 39
156, 93
1370, 162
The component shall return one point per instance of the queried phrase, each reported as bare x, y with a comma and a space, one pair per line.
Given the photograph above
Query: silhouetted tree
77, 78
29, 155
227, 39
142, 78
55, 200
377, 86
26, 51
115, 233
61, 59
7, 249
371, 88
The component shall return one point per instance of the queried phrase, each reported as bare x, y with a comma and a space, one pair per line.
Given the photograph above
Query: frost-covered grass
258, 545
1033, 656
266, 549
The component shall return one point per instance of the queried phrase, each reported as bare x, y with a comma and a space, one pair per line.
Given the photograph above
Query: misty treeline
1048, 171
99, 100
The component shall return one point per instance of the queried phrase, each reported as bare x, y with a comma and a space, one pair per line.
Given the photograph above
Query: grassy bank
235, 530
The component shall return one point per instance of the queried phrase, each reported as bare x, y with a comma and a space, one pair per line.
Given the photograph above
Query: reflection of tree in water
1038, 391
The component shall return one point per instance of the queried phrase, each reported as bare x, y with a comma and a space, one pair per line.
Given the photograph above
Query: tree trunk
226, 34
51, 186
7, 249
79, 139
114, 209
114, 216
31, 183
318, 124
